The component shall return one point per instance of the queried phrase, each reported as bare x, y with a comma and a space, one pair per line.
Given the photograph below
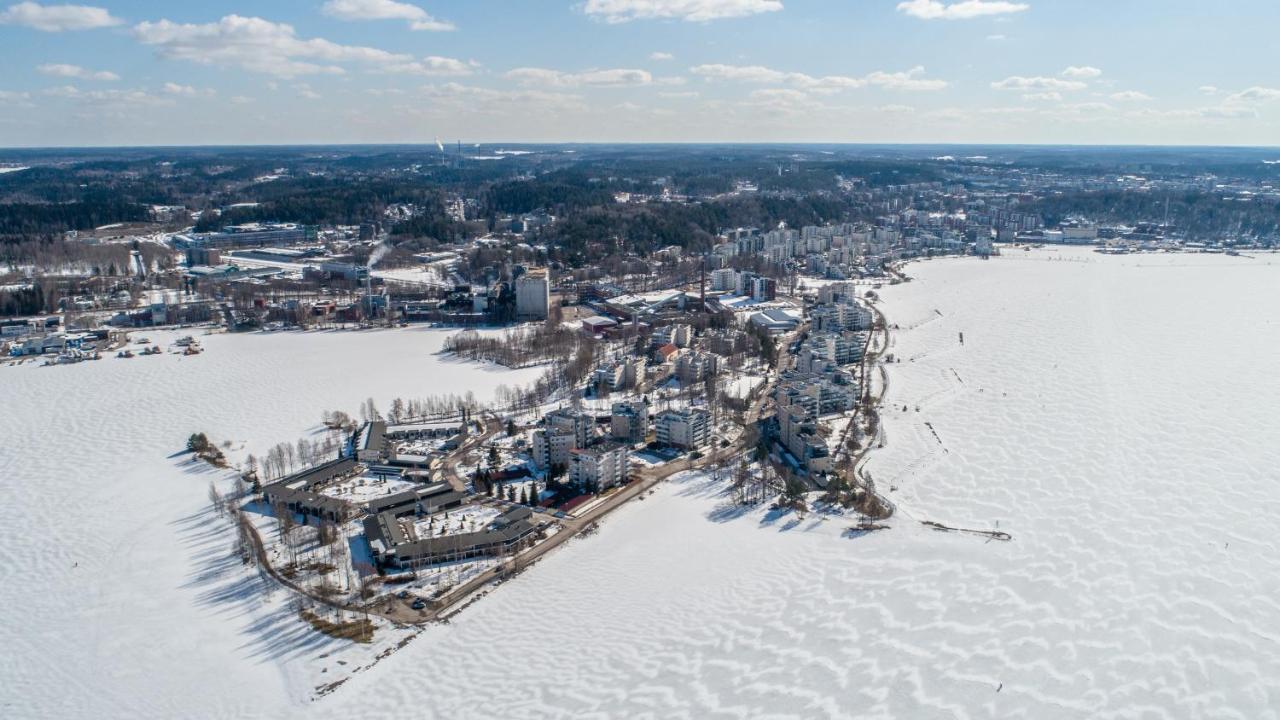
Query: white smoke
379, 253
439, 145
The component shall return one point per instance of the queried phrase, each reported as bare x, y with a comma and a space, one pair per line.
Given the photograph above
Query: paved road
492, 427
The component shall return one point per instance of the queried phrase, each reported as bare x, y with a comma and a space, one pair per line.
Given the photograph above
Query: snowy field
130, 605
466, 519
1116, 415
366, 487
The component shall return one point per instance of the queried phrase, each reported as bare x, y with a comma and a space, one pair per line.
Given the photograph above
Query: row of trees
285, 458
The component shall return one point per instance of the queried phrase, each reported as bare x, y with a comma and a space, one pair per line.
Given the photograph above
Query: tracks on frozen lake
991, 534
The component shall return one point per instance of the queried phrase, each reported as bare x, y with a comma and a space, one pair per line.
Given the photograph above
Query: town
663, 343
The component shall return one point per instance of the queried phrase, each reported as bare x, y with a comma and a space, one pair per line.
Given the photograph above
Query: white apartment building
577, 424
723, 280
695, 366
533, 295
600, 467
689, 428
551, 448
630, 422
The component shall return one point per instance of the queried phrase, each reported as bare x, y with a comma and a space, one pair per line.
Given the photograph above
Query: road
493, 426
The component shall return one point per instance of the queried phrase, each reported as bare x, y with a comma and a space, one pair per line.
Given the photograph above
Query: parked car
418, 604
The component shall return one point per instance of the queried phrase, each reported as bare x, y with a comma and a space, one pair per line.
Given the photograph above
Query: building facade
599, 468
688, 429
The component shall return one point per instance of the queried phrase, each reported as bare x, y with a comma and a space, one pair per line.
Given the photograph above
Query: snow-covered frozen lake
1116, 415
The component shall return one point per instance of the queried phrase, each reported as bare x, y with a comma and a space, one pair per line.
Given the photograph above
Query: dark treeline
648, 227
27, 219
326, 201
1196, 213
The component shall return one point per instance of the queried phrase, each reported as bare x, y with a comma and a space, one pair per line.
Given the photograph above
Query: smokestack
702, 283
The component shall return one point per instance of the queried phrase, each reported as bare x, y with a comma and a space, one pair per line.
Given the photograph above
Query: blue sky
131, 72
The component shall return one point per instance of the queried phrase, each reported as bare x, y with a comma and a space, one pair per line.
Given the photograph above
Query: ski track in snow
1117, 417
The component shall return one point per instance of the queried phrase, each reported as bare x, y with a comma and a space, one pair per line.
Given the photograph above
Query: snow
130, 605
466, 519
367, 487
1119, 425
422, 275
742, 385
1114, 414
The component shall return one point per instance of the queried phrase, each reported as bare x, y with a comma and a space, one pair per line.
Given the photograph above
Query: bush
198, 443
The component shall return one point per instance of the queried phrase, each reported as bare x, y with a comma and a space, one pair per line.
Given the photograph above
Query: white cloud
743, 73
620, 11
432, 65
306, 91
1227, 112
908, 80
418, 18
1130, 96
619, 77
1253, 95
1037, 84
1208, 90
57, 18
172, 88
1088, 108
1082, 72
779, 95
997, 37
241, 100
758, 74
964, 10
1043, 97
661, 56
449, 97
77, 72
257, 45
113, 98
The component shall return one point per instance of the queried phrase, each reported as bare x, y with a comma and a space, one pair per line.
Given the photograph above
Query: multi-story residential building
723, 280
764, 289
843, 348
633, 372
551, 448
579, 425
611, 376
533, 295
689, 428
798, 433
600, 467
696, 366
630, 422
824, 394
